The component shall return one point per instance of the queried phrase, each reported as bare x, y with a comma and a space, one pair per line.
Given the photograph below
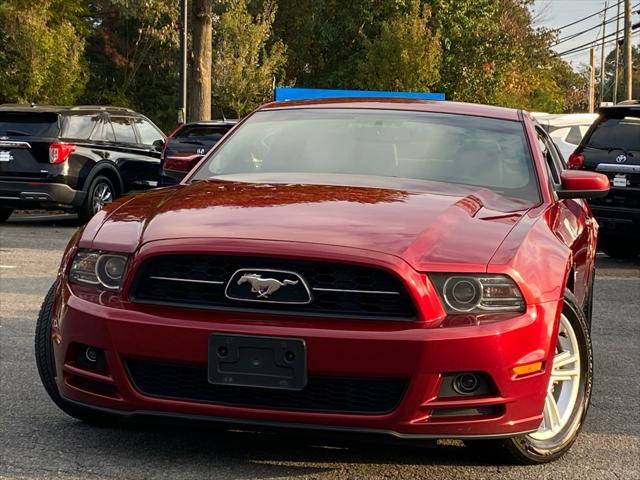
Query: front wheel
567, 397
47, 368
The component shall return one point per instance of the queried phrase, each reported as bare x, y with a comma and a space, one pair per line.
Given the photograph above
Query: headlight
98, 268
478, 293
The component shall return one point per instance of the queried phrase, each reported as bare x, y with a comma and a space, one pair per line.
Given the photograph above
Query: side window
79, 126
550, 156
103, 131
123, 128
574, 135
148, 133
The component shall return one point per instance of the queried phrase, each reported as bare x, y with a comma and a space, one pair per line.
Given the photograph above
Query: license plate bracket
257, 361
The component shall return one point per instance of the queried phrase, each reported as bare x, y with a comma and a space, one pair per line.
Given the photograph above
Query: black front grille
367, 396
200, 281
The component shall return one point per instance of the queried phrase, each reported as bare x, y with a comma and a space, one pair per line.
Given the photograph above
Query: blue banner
285, 93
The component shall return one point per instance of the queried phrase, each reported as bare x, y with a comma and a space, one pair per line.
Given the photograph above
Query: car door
572, 221
138, 163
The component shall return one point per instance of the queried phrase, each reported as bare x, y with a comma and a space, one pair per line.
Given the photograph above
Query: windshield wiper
17, 132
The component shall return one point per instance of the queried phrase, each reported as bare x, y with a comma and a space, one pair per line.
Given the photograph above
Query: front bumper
341, 348
38, 194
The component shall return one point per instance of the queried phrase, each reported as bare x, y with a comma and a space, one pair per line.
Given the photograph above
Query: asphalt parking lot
39, 441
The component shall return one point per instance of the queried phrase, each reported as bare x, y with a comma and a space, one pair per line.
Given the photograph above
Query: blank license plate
267, 362
620, 181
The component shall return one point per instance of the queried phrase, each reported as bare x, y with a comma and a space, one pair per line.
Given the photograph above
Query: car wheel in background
47, 368
567, 398
99, 193
5, 213
618, 247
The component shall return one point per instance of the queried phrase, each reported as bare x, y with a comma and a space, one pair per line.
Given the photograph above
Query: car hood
424, 223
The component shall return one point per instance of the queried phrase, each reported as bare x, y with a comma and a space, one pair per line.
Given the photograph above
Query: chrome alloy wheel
102, 195
564, 384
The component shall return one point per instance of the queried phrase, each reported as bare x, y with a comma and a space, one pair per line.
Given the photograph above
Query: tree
245, 60
199, 107
609, 74
326, 39
41, 59
405, 55
132, 55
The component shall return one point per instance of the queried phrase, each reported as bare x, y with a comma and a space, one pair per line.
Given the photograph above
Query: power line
587, 46
574, 35
584, 18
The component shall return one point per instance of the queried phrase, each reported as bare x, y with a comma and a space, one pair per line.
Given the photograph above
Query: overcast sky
556, 13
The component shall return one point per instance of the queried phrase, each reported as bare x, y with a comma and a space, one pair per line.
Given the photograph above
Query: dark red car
418, 269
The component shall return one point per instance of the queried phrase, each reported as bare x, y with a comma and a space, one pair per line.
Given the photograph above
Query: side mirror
583, 184
158, 144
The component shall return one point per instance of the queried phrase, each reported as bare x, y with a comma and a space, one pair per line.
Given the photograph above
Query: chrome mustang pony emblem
264, 286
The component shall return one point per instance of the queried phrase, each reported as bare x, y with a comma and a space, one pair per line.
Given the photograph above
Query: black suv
74, 158
187, 144
612, 146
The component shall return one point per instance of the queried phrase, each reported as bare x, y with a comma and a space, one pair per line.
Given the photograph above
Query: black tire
622, 248
47, 368
526, 450
88, 208
5, 213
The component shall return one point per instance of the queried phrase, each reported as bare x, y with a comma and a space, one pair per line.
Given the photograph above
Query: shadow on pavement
43, 220
263, 454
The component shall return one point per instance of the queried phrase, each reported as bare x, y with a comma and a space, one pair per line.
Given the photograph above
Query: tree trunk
200, 80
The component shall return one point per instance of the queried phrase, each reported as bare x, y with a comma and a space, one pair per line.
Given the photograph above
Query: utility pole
592, 79
628, 59
182, 87
604, 28
615, 74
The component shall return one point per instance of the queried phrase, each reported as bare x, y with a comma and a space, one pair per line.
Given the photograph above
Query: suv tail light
59, 152
576, 161
169, 136
181, 163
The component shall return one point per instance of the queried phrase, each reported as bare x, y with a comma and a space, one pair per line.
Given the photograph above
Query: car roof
565, 119
89, 109
619, 111
402, 104
224, 123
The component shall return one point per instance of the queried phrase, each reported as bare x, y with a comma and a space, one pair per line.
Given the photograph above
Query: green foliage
404, 56
244, 64
609, 74
132, 54
41, 59
125, 52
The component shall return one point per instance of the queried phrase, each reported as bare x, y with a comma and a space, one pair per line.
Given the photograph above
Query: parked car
74, 158
346, 265
612, 146
566, 130
186, 145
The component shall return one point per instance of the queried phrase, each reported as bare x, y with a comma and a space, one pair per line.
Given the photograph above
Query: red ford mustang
419, 269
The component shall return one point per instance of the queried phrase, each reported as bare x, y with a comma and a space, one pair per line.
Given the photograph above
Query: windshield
617, 133
451, 148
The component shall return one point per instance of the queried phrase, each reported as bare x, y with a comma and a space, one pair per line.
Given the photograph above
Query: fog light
466, 383
91, 354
